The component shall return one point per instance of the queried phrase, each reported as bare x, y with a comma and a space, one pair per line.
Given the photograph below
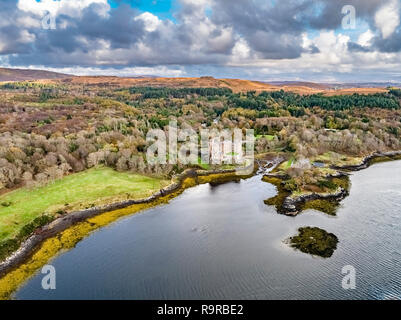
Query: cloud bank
286, 39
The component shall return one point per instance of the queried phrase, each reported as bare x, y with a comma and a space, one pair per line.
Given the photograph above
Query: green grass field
96, 186
286, 165
267, 136
337, 159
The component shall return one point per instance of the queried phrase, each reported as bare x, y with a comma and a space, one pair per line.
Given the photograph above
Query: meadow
93, 187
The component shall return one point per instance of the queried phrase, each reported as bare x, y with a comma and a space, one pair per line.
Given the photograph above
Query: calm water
223, 242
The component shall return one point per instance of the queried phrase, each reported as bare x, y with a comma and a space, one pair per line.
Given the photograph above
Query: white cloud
193, 38
365, 38
27, 37
151, 21
28, 22
387, 19
241, 50
306, 42
162, 71
199, 3
332, 59
71, 8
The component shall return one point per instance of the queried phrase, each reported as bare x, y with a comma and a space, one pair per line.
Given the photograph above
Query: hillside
237, 85
7, 74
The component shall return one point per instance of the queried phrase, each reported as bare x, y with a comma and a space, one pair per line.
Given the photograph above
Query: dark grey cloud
169, 44
355, 47
54, 47
275, 31
10, 34
272, 31
327, 14
391, 44
120, 28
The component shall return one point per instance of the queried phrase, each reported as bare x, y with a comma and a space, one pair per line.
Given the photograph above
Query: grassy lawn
204, 166
287, 164
96, 186
337, 159
267, 136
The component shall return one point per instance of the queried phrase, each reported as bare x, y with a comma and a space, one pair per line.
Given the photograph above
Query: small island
315, 241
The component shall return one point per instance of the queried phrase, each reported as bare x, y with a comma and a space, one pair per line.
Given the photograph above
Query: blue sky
161, 8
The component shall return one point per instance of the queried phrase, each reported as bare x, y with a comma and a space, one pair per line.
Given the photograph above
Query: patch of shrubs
6, 204
10, 245
327, 184
315, 241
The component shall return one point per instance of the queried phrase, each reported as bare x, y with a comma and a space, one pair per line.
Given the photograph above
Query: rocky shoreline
367, 161
29, 246
291, 206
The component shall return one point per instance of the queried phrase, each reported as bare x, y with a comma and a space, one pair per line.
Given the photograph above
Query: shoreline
57, 226
36, 250
292, 206
369, 160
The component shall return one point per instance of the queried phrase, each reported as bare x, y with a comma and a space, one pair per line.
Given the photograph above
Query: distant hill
312, 85
370, 85
7, 74
335, 86
237, 85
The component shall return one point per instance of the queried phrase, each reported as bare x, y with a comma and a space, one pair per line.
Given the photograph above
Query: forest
48, 131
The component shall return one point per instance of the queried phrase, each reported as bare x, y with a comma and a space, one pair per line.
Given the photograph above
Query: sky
268, 40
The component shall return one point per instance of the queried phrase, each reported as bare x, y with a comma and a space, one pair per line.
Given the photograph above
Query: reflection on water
223, 242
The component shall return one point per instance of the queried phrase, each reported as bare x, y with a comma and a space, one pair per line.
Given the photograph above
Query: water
318, 164
224, 243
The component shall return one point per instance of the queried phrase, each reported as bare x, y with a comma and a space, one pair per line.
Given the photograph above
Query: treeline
26, 85
395, 92
384, 101
295, 102
157, 93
